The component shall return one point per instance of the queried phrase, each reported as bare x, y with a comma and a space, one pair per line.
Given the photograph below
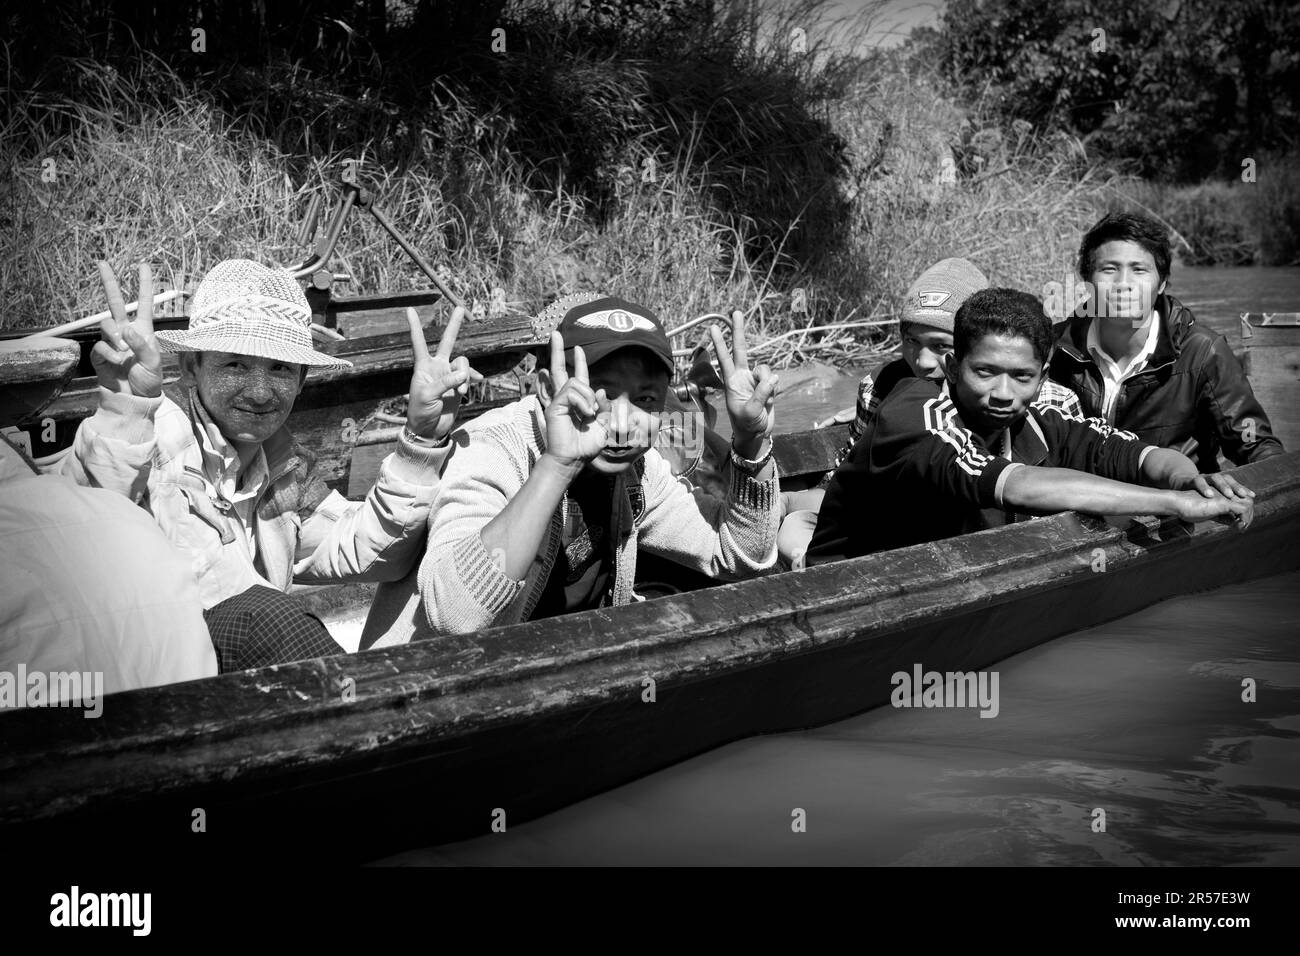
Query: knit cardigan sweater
458, 587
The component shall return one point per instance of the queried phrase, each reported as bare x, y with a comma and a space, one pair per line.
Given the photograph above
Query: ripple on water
1142, 718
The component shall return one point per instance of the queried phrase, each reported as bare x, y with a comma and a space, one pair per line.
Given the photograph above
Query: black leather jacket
1192, 388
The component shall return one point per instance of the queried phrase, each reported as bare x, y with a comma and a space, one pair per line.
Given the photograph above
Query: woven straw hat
247, 308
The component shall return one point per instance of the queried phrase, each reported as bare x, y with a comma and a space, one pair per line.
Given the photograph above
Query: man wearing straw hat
225, 479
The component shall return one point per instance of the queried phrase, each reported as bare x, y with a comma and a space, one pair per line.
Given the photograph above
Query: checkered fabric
263, 626
244, 307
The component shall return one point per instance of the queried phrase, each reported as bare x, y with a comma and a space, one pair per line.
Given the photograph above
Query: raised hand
126, 358
750, 395
577, 419
1192, 506
438, 383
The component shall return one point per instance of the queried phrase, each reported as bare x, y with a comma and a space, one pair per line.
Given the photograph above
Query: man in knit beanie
926, 329
978, 450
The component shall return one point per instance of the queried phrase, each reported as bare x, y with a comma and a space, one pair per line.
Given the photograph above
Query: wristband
419, 440
756, 465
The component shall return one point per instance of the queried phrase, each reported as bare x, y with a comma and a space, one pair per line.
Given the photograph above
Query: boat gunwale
422, 693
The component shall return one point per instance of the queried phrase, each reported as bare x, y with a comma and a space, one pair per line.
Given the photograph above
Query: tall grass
1017, 209
180, 185
845, 203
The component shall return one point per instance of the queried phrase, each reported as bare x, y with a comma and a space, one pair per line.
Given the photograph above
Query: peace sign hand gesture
126, 358
437, 381
751, 395
577, 419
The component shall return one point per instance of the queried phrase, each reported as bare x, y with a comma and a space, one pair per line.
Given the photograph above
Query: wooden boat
1273, 319
354, 757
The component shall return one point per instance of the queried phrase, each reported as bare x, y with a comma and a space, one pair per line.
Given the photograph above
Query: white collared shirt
1112, 376
222, 464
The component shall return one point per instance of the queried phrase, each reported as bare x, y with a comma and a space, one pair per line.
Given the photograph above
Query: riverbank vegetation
1196, 102
666, 150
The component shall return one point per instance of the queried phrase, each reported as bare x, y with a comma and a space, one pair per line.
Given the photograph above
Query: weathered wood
377, 354
1274, 319
361, 755
39, 359
33, 371
363, 316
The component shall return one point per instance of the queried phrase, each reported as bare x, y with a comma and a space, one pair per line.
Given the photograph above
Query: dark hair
1126, 227
1001, 312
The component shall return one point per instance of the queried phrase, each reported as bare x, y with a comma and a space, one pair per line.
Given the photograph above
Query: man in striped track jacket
976, 451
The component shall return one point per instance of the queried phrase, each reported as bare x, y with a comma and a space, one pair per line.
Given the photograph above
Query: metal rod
696, 321
308, 230
409, 249
325, 246
88, 321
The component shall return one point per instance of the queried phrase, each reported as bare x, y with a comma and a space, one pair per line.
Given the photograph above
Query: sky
897, 19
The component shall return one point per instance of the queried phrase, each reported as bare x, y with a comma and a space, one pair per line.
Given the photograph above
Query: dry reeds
148, 167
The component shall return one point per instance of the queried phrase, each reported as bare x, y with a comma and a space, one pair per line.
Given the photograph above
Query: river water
1142, 718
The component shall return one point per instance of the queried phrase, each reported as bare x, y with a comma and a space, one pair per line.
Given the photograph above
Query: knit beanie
939, 291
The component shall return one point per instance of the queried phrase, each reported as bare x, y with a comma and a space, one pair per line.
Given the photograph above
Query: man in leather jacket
1137, 359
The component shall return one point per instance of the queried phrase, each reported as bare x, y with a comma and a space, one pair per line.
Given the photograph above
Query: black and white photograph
652, 433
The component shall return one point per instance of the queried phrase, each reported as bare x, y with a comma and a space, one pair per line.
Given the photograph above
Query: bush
1230, 223
1178, 91
781, 173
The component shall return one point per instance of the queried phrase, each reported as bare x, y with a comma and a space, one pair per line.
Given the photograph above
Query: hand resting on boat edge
977, 451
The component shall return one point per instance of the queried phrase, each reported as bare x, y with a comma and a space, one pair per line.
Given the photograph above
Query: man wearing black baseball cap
626, 351
608, 324
545, 503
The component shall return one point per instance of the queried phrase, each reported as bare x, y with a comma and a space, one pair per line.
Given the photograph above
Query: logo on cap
616, 320
931, 300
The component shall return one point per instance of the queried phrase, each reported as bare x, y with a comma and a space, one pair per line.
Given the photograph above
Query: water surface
1142, 718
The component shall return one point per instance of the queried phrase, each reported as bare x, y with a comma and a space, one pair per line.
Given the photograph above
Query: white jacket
91, 586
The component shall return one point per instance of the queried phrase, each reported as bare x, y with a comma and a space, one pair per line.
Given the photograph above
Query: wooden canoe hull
355, 757
33, 373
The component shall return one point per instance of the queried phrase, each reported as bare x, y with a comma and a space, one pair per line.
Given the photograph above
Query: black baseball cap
605, 325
